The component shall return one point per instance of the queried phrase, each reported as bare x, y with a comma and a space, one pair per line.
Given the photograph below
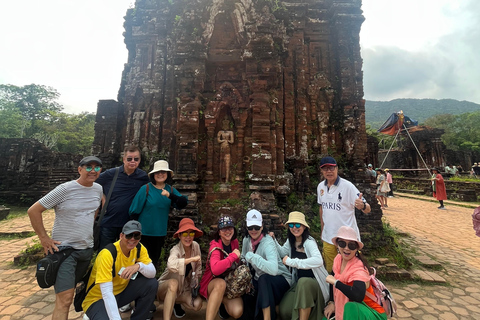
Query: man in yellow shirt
133, 279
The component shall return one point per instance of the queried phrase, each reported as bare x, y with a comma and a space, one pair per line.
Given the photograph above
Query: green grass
16, 211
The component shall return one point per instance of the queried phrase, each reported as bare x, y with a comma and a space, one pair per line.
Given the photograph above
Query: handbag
98, 221
238, 277
47, 268
385, 187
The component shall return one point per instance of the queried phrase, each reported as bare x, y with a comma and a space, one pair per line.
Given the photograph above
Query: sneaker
442, 208
178, 311
222, 312
386, 206
150, 314
125, 308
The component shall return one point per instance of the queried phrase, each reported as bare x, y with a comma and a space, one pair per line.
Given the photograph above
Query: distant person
448, 171
381, 195
390, 182
76, 203
476, 169
338, 199
371, 174
438, 186
134, 279
130, 179
460, 169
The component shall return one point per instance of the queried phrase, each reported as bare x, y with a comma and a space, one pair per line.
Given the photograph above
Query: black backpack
81, 290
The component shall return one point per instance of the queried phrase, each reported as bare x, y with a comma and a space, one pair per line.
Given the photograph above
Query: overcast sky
411, 48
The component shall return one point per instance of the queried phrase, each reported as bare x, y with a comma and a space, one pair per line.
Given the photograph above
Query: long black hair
292, 239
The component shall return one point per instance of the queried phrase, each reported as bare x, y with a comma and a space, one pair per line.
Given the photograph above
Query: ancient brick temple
240, 96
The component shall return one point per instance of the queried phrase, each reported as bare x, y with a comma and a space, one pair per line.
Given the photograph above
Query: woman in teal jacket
271, 279
151, 207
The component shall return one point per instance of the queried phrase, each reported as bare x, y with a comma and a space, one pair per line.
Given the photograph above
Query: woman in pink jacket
212, 285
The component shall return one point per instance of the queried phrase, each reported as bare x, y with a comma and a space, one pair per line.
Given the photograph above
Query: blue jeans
108, 235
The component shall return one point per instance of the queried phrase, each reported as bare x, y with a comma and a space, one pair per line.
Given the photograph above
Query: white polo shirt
338, 205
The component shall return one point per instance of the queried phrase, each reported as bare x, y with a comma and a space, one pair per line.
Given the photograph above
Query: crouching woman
350, 280
184, 267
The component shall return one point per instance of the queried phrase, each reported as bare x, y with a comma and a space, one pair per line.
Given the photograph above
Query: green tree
35, 103
462, 131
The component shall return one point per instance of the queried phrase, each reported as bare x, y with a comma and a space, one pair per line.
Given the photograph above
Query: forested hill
377, 112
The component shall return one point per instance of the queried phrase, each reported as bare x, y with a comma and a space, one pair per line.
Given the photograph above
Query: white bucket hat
160, 165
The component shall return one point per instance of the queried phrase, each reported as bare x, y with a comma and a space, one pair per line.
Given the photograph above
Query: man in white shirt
338, 199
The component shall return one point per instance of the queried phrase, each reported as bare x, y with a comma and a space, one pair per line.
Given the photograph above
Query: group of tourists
295, 277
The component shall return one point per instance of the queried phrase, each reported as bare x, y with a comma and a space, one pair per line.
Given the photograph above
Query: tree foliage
32, 111
462, 132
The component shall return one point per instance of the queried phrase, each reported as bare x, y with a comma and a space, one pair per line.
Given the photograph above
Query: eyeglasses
90, 168
226, 229
161, 172
256, 228
134, 159
351, 245
186, 234
134, 235
296, 225
328, 168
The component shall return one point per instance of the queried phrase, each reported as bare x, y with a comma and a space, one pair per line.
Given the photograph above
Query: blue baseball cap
328, 161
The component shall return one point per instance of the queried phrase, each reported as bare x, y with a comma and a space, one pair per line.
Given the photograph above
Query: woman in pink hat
151, 207
213, 285
184, 267
350, 280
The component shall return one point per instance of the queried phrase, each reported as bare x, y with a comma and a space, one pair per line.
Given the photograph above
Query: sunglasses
134, 159
296, 225
134, 235
186, 234
256, 228
90, 168
351, 245
328, 168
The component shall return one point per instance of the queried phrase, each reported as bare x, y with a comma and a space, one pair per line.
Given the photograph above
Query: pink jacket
218, 264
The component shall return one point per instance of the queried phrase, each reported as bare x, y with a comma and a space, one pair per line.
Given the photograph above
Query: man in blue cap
338, 199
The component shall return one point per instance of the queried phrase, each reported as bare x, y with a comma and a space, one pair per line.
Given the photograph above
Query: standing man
75, 203
130, 179
130, 277
338, 199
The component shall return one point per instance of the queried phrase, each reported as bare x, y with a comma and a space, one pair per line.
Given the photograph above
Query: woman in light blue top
307, 297
270, 278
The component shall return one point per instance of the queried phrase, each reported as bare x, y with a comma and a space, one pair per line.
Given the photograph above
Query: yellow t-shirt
102, 272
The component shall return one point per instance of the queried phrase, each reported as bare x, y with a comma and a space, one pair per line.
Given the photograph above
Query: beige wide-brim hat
347, 233
160, 165
296, 217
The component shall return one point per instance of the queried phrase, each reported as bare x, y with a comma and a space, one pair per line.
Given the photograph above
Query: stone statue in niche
137, 117
225, 139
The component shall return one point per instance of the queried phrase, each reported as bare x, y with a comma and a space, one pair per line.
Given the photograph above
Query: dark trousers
141, 290
269, 291
154, 247
390, 193
108, 235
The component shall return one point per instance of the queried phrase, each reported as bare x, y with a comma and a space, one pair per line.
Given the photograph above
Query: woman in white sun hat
151, 207
350, 280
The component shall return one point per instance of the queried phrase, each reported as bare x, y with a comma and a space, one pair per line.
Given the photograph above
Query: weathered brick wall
29, 170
